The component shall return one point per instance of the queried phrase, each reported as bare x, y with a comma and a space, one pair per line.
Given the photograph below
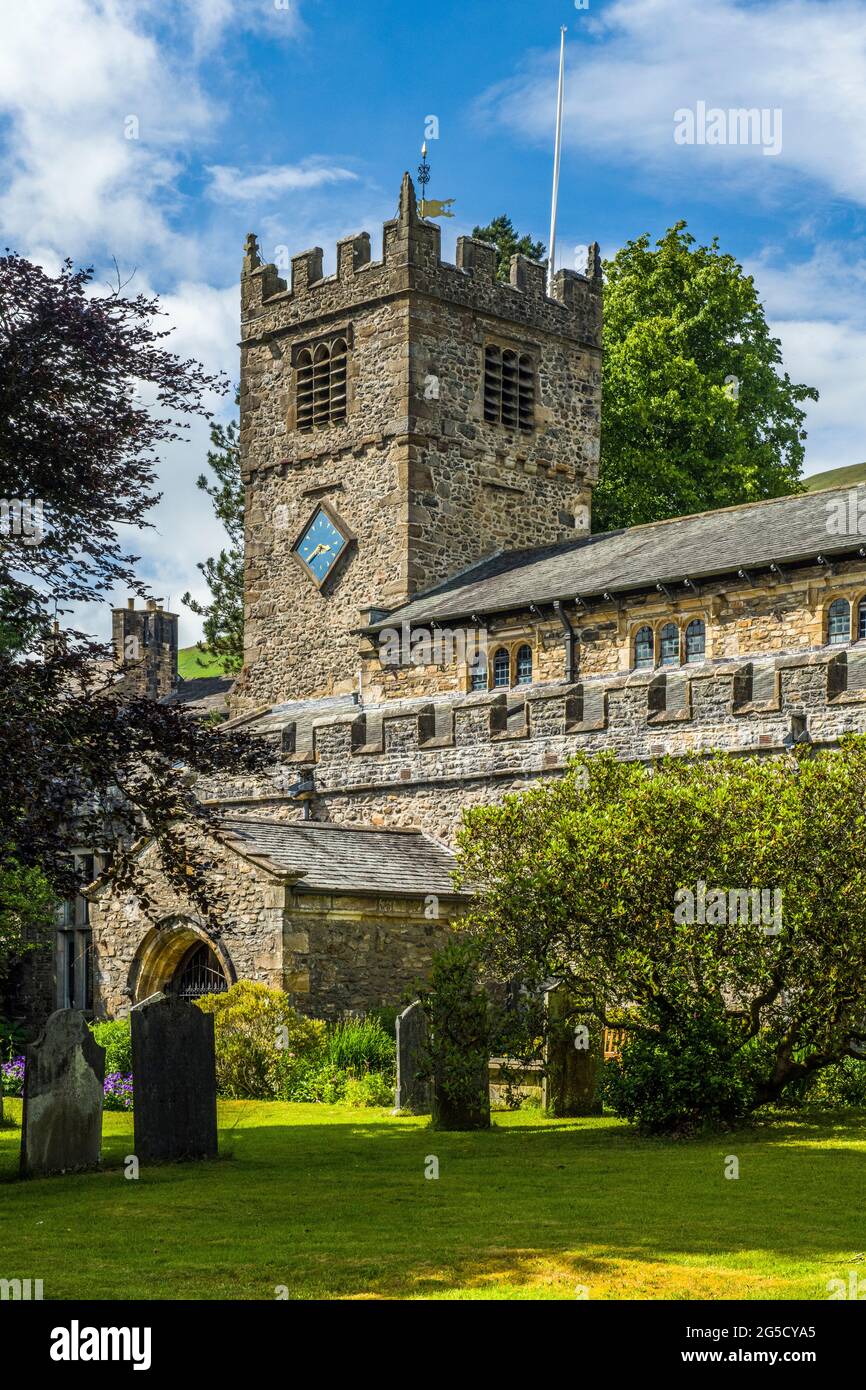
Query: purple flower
12, 1077
117, 1091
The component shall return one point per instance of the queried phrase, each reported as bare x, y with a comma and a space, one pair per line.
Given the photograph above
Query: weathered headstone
174, 1080
412, 1093
64, 1072
571, 1062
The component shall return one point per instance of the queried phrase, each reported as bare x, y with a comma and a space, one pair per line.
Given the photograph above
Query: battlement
727, 693
411, 261
647, 706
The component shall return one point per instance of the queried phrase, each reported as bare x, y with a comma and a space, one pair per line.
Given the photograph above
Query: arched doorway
177, 956
198, 973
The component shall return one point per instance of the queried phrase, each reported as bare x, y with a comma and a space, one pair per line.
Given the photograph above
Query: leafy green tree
224, 573
587, 880
697, 411
501, 234
26, 910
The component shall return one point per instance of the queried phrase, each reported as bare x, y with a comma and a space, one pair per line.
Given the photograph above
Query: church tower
401, 420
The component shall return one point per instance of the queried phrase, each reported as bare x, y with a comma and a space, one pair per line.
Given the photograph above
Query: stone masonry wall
742, 622
250, 901
332, 953
418, 477
420, 762
347, 954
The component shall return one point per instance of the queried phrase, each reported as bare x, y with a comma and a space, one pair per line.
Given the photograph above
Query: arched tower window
696, 640
669, 644
643, 649
321, 385
501, 668
509, 388
861, 619
305, 390
839, 621
524, 664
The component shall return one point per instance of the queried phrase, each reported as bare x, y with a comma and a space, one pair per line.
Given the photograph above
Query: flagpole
551, 262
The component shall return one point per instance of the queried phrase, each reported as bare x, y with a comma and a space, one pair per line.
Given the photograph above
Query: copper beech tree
78, 459
714, 909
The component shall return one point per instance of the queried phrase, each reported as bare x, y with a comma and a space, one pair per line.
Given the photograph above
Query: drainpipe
303, 790
570, 642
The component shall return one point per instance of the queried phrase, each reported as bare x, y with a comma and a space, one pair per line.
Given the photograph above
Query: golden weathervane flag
430, 207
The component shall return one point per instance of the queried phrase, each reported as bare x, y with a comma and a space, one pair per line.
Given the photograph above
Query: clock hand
319, 550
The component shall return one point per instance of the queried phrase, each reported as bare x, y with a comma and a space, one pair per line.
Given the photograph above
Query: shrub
117, 1091
680, 1079
12, 1037
361, 1045
12, 1076
459, 1016
116, 1037
840, 1085
259, 1039
374, 1088
313, 1080
323, 1082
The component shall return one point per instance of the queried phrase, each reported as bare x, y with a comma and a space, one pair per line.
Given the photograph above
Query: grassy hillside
191, 663
837, 477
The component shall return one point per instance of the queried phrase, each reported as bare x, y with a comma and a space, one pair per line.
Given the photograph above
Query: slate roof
792, 529
342, 859
201, 695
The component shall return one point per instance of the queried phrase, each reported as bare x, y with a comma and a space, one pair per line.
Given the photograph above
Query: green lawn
333, 1202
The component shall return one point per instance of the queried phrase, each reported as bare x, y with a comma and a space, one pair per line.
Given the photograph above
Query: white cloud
646, 59
817, 308
229, 184
829, 356
76, 79
72, 73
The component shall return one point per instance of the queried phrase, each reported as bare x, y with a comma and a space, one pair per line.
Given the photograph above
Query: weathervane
430, 207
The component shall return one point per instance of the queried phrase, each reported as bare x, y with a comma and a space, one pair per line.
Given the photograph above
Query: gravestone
412, 1093
174, 1080
64, 1071
571, 1061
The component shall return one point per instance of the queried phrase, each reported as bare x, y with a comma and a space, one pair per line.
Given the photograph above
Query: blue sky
296, 118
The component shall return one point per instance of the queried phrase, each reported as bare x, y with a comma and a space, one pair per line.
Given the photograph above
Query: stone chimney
145, 648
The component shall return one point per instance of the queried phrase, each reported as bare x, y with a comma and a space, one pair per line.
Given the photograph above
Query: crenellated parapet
759, 706
412, 261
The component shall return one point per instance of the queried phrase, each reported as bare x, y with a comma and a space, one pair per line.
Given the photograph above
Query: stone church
430, 624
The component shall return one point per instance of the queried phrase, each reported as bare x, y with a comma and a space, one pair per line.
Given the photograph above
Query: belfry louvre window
509, 388
321, 385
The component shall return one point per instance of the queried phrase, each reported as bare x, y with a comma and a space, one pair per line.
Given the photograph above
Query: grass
850, 475
192, 663
333, 1203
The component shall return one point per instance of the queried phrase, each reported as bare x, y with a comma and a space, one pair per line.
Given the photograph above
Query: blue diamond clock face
320, 545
